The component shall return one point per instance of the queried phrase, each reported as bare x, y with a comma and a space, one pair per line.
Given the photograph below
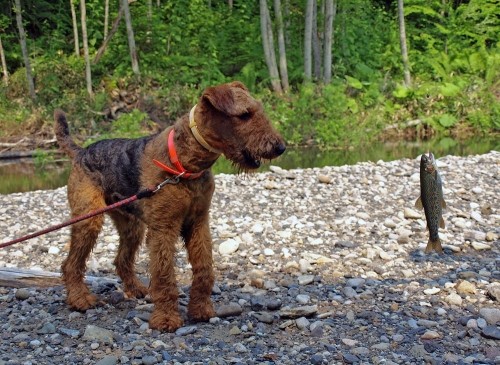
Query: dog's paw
136, 291
201, 312
82, 302
168, 322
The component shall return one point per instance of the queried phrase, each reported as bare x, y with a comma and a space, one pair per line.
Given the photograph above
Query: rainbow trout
431, 200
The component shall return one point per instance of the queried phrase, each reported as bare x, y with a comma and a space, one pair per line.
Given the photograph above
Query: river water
26, 175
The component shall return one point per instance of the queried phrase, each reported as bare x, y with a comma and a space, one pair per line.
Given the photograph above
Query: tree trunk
287, 23
402, 41
105, 43
131, 39
316, 43
308, 40
281, 45
75, 28
24, 49
106, 18
330, 12
88, 75
4, 64
150, 11
230, 4
268, 45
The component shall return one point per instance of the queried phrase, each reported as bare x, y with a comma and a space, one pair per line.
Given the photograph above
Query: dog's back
113, 164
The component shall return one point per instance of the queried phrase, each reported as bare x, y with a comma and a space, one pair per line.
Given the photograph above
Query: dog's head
233, 122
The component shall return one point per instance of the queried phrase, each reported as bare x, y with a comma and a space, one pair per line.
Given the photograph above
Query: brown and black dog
226, 120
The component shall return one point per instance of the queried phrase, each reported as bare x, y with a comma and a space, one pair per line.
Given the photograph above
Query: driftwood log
23, 278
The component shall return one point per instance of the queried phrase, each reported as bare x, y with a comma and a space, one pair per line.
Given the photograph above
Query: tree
268, 45
281, 46
330, 12
130, 37
105, 43
24, 49
316, 43
106, 18
75, 28
4, 64
88, 75
402, 41
308, 40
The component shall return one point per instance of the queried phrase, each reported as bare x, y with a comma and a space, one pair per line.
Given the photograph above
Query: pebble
228, 247
494, 291
411, 214
454, 299
432, 291
305, 279
229, 310
466, 287
184, 331
95, 333
492, 332
22, 294
108, 360
490, 315
302, 323
479, 246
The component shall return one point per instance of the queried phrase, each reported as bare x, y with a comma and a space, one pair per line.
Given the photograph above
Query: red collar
181, 171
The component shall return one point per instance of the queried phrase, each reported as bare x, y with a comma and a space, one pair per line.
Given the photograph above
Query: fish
431, 200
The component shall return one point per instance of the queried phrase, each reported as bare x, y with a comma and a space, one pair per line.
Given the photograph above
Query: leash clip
171, 180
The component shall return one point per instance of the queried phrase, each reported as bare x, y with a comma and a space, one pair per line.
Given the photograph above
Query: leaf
354, 83
447, 120
449, 89
401, 92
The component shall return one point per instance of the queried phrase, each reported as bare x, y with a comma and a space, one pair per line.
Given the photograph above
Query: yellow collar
197, 135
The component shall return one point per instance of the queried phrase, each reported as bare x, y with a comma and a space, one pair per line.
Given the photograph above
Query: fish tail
434, 245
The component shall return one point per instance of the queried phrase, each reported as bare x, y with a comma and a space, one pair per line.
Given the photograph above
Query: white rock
53, 250
268, 252
411, 214
454, 299
478, 246
257, 228
228, 247
432, 291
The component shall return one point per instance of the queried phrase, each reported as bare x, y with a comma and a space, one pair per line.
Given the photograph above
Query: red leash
146, 193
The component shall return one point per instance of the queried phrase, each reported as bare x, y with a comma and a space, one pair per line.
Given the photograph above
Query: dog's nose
280, 148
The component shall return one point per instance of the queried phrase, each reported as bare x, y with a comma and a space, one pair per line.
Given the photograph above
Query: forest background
329, 72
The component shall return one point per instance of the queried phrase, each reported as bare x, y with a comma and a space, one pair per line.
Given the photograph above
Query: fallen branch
23, 278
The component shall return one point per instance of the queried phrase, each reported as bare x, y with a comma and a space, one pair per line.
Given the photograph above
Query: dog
227, 121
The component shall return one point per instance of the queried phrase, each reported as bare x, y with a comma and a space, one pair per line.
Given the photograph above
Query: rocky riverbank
313, 266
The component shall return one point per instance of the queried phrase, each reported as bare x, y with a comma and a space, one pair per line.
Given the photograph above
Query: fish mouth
430, 164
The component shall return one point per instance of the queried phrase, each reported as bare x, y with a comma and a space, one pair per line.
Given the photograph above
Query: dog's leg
83, 198
199, 247
131, 231
163, 288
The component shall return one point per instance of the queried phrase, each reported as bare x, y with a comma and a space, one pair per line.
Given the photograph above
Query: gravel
313, 266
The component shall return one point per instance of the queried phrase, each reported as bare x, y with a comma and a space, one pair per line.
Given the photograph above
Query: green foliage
188, 45
129, 125
42, 159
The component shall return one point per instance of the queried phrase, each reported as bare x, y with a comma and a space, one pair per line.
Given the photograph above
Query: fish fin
441, 223
443, 203
434, 245
418, 203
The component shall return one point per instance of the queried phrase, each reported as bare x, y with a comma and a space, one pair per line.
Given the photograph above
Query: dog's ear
228, 98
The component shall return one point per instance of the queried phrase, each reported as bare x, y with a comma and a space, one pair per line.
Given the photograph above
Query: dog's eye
245, 116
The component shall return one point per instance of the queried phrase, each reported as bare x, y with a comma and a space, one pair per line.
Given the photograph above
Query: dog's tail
61, 129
